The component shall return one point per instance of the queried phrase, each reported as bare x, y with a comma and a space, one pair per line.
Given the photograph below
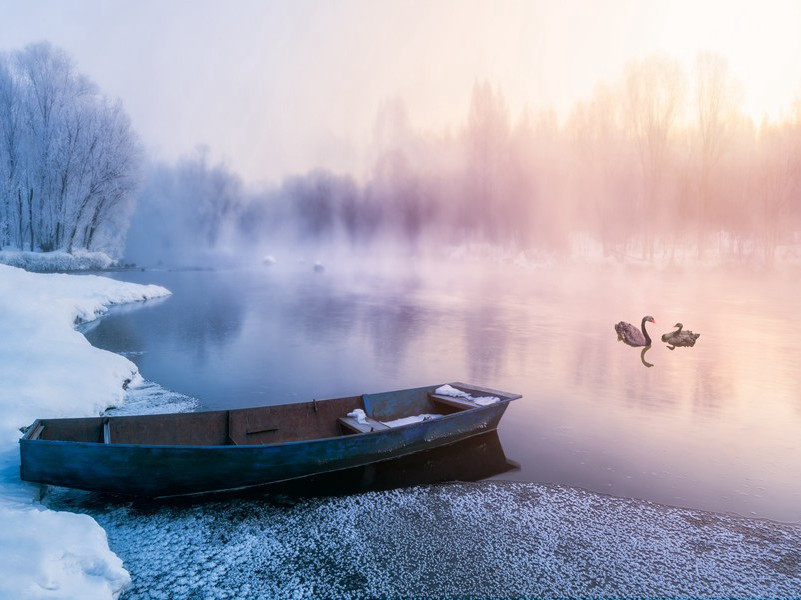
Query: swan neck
645, 333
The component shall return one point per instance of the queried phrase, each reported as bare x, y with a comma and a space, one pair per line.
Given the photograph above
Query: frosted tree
184, 211
69, 158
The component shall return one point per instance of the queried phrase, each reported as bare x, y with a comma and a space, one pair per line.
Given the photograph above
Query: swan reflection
642, 357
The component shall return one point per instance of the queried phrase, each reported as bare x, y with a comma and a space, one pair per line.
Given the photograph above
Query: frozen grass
489, 539
78, 260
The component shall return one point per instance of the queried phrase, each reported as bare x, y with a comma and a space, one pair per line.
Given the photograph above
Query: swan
633, 336
680, 338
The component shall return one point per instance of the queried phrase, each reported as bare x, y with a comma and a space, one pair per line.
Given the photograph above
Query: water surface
715, 427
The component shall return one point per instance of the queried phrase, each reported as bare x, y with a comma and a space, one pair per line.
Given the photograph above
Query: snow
359, 415
410, 420
491, 539
48, 369
77, 260
449, 390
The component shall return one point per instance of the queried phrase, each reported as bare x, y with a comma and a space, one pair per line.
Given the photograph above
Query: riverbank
485, 539
490, 538
48, 369
58, 261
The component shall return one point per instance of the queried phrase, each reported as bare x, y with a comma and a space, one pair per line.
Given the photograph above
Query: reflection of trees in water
323, 310
486, 338
710, 388
114, 333
196, 318
392, 328
393, 317
212, 318
317, 309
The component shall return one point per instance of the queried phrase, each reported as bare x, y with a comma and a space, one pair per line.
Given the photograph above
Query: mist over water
659, 166
715, 427
502, 252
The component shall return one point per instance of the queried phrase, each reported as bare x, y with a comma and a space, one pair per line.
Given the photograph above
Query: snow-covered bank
490, 539
47, 369
42, 262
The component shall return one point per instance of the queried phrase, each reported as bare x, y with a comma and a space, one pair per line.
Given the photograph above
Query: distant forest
660, 163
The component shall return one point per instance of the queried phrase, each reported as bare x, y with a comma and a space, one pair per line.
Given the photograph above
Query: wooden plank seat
351, 424
460, 403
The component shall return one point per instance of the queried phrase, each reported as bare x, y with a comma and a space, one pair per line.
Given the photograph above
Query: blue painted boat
191, 453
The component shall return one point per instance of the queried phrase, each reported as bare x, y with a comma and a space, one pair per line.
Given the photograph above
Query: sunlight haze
276, 88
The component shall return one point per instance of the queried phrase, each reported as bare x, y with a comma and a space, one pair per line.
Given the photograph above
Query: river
714, 427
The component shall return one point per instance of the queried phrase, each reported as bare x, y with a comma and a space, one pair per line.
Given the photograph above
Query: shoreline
489, 538
483, 539
48, 368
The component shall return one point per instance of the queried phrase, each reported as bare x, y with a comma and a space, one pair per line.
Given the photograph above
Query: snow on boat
190, 453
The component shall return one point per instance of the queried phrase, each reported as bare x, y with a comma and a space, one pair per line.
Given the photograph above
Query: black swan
680, 338
633, 336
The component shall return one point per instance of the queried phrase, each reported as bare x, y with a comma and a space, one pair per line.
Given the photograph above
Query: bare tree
716, 102
487, 141
655, 93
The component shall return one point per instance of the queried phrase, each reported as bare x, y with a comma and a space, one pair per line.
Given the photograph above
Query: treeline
68, 157
184, 212
660, 164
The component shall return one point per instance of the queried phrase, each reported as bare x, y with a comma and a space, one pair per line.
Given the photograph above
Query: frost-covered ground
78, 260
486, 539
48, 369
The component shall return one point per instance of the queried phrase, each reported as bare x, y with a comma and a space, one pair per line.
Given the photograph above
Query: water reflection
702, 426
196, 329
642, 356
476, 458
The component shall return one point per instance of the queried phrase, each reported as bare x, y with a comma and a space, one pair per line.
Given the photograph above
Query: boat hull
169, 470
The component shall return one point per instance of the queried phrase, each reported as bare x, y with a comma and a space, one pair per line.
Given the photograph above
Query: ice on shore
490, 539
48, 369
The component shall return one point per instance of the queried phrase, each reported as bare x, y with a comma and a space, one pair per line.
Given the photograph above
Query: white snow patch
410, 420
359, 415
449, 390
48, 369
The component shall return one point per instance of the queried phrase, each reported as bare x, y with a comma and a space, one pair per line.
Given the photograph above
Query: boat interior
262, 425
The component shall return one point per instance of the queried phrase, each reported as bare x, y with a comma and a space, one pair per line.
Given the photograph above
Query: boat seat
460, 403
351, 424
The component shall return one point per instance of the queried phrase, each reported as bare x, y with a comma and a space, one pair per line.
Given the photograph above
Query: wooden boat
190, 453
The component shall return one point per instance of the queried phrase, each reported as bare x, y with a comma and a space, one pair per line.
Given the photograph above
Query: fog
659, 165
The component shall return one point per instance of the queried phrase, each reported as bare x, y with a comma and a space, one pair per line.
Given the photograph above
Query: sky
279, 88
